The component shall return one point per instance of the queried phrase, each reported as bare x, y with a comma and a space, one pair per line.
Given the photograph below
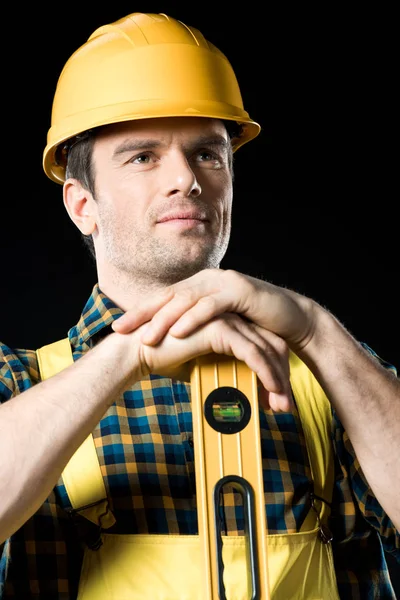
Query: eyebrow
133, 145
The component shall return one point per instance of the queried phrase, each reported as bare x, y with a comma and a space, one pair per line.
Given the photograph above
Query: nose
181, 179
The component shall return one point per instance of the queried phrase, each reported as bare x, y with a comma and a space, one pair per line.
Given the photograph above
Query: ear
80, 206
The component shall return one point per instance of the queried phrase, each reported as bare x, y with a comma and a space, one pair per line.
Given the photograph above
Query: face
163, 197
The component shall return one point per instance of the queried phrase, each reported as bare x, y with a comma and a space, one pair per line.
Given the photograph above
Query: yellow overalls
166, 567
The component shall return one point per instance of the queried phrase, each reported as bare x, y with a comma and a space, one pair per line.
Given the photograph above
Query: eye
141, 159
207, 155
210, 158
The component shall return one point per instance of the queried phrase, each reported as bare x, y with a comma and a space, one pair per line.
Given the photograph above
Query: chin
180, 269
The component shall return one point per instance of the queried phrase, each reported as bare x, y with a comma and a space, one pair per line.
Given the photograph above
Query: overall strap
316, 418
82, 476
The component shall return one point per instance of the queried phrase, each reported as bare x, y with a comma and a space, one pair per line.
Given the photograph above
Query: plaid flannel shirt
145, 448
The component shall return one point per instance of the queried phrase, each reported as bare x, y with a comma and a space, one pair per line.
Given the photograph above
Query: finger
205, 309
272, 401
198, 300
182, 302
142, 313
280, 402
227, 336
228, 292
243, 341
263, 396
272, 364
275, 349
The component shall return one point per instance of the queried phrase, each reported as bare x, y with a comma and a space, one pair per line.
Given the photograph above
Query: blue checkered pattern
145, 449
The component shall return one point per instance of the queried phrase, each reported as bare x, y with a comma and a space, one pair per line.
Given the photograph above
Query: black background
316, 204
316, 194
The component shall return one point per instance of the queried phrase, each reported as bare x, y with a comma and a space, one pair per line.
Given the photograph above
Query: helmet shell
142, 66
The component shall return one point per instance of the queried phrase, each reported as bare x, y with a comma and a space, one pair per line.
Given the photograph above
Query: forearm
365, 395
367, 399
41, 428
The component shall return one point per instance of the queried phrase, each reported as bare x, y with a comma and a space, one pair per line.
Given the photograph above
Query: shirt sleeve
18, 371
364, 497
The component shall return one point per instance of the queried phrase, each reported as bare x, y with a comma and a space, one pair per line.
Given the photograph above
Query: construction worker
97, 483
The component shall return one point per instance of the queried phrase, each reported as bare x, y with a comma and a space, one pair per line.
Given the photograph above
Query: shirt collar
95, 321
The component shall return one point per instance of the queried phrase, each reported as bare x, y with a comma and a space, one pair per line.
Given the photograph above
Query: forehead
165, 129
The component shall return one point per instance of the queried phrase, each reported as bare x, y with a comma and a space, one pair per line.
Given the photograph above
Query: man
146, 118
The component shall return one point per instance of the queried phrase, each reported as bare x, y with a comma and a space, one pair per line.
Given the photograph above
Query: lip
182, 216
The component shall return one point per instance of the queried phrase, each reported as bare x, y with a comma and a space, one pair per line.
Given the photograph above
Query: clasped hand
225, 312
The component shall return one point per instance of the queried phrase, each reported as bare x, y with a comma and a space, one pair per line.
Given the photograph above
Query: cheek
135, 194
126, 203
226, 202
220, 190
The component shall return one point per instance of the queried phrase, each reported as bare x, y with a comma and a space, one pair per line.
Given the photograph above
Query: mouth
184, 220
183, 216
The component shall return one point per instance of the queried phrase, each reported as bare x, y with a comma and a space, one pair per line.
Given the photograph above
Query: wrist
121, 352
330, 348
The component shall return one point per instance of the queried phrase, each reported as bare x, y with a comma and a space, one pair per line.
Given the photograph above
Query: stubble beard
153, 262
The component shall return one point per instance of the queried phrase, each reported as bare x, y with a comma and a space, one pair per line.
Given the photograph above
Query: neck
127, 292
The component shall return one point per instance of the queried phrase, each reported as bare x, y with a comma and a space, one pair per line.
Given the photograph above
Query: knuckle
232, 275
281, 346
187, 295
208, 302
168, 292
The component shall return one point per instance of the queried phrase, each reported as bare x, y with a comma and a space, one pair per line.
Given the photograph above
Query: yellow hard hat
142, 66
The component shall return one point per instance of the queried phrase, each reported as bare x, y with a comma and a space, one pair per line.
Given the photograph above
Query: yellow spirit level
227, 446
